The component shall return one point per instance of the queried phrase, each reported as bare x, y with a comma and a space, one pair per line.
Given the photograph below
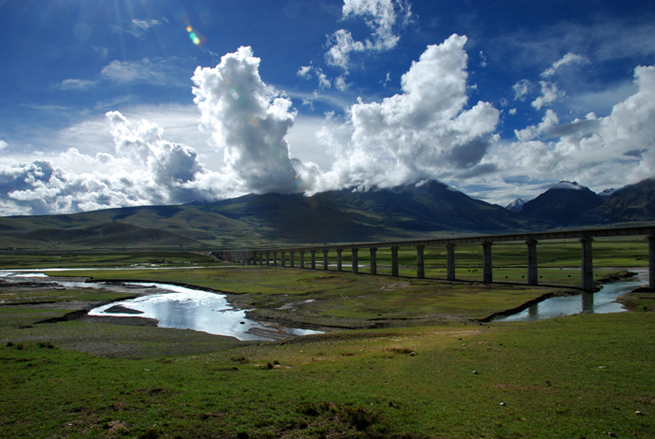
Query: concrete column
313, 253
275, 259
246, 258
355, 262
293, 262
420, 262
533, 276
374, 260
268, 258
284, 259
394, 261
339, 260
450, 261
587, 265
587, 303
651, 262
261, 258
325, 260
487, 276
302, 259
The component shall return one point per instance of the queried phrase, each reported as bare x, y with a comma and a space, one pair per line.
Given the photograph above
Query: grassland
423, 368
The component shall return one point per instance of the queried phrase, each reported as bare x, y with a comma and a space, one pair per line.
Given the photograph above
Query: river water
601, 302
186, 308
172, 306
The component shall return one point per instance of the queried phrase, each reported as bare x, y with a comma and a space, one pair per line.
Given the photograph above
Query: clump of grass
314, 409
405, 351
269, 366
240, 360
360, 418
46, 345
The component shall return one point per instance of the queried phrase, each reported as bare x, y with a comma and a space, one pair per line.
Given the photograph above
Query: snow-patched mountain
516, 205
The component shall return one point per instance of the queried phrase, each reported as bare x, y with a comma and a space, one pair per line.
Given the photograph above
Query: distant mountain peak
516, 205
610, 191
567, 185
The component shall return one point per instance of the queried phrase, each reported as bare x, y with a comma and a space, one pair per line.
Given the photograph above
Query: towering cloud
424, 131
250, 121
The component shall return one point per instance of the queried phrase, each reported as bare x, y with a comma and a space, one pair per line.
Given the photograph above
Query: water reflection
186, 308
601, 302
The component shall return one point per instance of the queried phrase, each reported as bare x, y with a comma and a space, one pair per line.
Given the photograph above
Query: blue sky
111, 103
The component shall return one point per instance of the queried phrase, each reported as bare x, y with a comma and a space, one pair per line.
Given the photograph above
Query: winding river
186, 308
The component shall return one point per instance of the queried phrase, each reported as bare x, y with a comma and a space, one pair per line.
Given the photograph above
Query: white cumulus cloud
250, 121
426, 131
596, 152
382, 17
549, 94
569, 58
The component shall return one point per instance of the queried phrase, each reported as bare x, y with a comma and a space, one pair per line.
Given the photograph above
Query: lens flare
196, 37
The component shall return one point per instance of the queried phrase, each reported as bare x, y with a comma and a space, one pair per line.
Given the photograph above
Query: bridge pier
302, 259
261, 258
292, 262
275, 259
420, 262
394, 261
587, 265
339, 260
355, 263
487, 276
325, 260
450, 261
651, 262
313, 254
374, 261
533, 276
268, 258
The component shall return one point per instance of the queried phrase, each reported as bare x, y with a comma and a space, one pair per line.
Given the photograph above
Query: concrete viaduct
586, 237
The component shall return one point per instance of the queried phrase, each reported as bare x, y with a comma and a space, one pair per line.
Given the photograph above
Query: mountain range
429, 208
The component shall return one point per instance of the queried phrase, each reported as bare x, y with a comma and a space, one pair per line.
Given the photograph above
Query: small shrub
360, 418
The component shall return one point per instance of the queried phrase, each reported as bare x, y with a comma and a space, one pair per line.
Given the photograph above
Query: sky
112, 103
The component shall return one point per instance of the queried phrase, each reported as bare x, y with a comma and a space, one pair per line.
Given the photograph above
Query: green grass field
431, 371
